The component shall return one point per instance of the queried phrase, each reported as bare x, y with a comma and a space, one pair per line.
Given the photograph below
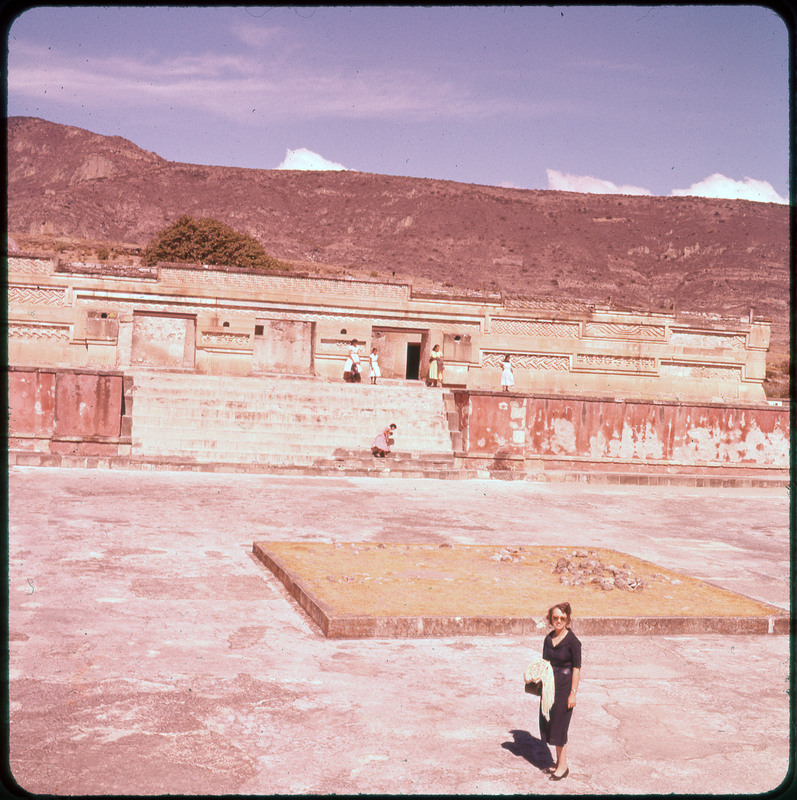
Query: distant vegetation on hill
207, 241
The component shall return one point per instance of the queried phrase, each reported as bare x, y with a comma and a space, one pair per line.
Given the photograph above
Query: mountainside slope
720, 256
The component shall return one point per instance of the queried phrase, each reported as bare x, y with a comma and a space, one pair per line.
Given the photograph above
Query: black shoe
555, 777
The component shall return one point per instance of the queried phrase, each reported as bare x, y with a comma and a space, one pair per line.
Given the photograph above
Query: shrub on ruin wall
207, 241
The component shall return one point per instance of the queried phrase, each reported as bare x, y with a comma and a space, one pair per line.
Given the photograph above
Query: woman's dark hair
565, 608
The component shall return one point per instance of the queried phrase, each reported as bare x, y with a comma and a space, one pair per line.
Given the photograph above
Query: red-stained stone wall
598, 430
31, 402
64, 403
88, 404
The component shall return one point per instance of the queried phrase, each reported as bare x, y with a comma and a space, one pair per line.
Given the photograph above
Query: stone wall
284, 346
598, 431
234, 322
68, 411
63, 411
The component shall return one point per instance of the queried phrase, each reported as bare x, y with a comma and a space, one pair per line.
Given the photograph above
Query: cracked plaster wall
601, 430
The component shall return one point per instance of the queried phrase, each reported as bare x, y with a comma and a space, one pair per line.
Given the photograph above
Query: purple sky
648, 100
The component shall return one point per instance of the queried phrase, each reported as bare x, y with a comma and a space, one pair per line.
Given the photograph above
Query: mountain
654, 253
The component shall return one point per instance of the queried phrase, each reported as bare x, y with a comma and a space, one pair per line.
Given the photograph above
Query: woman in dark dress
563, 650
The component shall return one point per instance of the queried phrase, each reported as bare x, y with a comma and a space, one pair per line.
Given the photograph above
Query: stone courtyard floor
152, 653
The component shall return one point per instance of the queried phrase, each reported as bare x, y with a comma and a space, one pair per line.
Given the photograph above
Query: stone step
248, 388
741, 481
208, 450
161, 464
261, 446
159, 374
252, 386
276, 419
322, 465
289, 430
372, 462
279, 412
264, 405
282, 416
240, 398
192, 420
379, 469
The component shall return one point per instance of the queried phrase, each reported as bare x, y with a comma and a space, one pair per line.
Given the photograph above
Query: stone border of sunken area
367, 589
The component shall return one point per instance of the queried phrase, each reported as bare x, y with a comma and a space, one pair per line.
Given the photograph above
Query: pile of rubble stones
583, 567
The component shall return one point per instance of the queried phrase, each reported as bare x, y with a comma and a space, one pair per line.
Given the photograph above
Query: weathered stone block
88, 404
31, 402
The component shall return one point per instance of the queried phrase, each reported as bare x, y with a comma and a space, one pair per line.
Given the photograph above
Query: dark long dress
564, 658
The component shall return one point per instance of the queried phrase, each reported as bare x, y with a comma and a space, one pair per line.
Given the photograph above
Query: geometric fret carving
351, 319
622, 330
534, 327
675, 369
338, 344
718, 373
37, 296
601, 361
224, 339
259, 312
21, 330
708, 340
279, 284
540, 361
38, 266
546, 362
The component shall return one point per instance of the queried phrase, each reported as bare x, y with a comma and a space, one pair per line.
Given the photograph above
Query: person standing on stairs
507, 378
435, 366
373, 360
351, 370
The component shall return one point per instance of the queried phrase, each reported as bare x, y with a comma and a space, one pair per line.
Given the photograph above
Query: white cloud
562, 182
719, 186
307, 159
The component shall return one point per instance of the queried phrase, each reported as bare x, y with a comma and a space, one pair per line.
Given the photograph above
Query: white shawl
541, 670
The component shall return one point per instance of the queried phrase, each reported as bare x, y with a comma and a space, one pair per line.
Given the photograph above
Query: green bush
207, 241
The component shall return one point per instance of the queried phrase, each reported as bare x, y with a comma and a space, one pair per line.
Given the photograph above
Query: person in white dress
351, 370
374, 366
435, 366
507, 378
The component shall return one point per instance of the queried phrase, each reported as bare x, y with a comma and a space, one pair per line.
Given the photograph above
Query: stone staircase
294, 425
285, 423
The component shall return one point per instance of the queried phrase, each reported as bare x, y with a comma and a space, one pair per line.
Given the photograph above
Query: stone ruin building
574, 364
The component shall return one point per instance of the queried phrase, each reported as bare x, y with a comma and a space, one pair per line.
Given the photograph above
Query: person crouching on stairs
381, 446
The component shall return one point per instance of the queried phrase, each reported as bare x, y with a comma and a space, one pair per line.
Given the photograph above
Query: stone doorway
413, 361
400, 352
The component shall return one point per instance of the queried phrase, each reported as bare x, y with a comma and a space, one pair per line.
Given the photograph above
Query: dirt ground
491, 580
